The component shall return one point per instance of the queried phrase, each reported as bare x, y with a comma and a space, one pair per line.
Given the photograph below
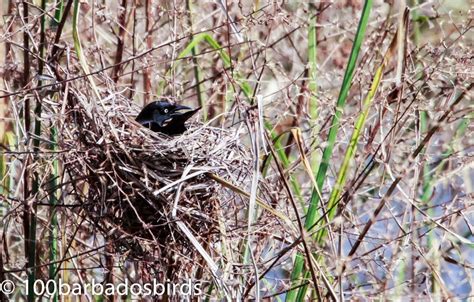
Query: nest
140, 188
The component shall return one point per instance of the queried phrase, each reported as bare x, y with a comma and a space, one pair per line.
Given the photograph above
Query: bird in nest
165, 117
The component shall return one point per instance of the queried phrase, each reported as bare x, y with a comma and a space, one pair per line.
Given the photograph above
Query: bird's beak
184, 112
181, 107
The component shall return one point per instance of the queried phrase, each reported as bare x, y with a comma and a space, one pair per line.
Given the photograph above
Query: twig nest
134, 184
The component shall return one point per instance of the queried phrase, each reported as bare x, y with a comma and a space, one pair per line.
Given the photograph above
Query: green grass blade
54, 224
312, 69
341, 101
36, 144
58, 12
351, 150
327, 153
312, 86
5, 174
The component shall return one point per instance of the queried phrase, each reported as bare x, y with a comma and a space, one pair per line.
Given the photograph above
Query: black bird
165, 117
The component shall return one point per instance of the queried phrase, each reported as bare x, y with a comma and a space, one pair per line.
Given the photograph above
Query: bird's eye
165, 110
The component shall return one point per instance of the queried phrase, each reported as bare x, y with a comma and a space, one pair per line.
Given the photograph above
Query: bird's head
165, 117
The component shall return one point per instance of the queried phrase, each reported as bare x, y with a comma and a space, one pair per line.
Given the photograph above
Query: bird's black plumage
165, 117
